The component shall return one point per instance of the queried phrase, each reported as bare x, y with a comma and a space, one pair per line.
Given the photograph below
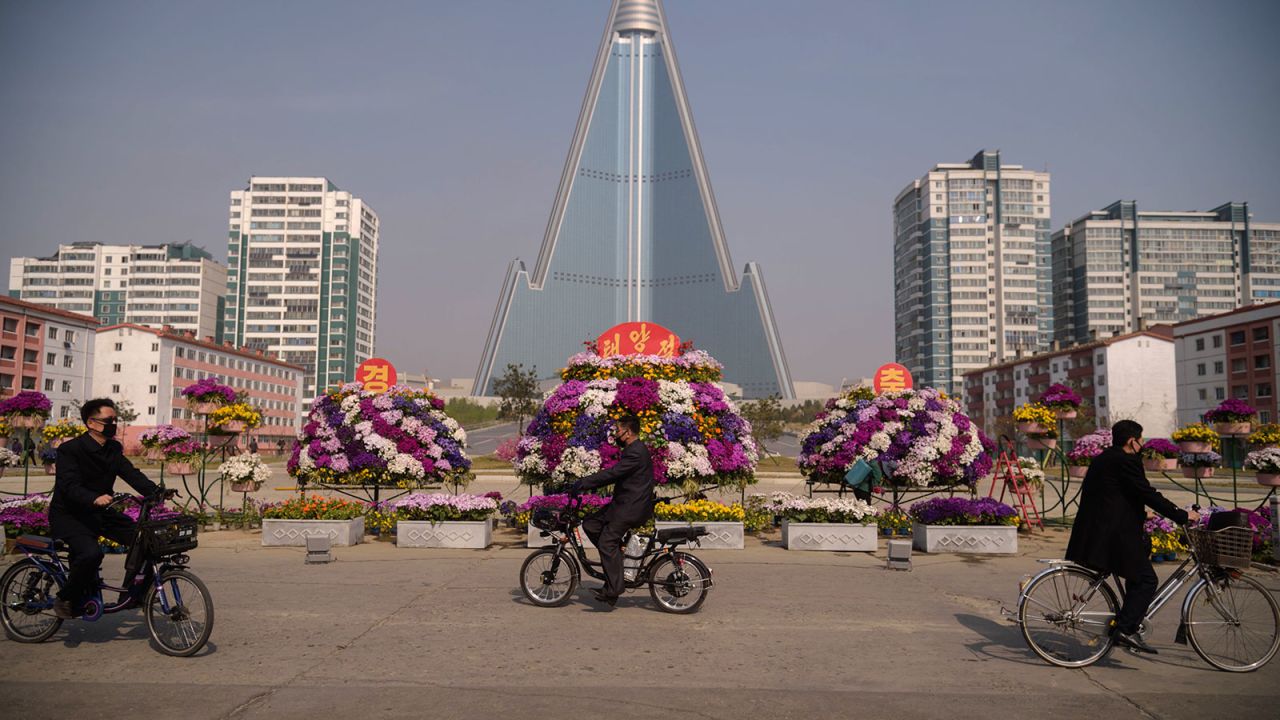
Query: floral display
1232, 410
824, 510
1266, 460
699, 511
25, 515
1060, 398
400, 437
1200, 460
64, 429
1031, 471
440, 507
1197, 432
894, 520
518, 515
1036, 413
1164, 536
1264, 436
1089, 447
209, 390
693, 431
920, 438
162, 436
9, 458
183, 451
963, 511
1159, 448
28, 403
5, 429
240, 412
314, 507
248, 468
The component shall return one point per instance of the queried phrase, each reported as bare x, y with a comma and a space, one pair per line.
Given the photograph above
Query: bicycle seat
40, 542
683, 533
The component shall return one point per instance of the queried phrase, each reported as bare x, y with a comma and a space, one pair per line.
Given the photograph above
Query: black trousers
1139, 590
86, 554
607, 534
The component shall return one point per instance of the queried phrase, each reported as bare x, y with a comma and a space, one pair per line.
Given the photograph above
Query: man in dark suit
87, 470
631, 506
1107, 534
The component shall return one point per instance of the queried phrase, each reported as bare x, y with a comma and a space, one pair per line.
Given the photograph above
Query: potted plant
1232, 417
246, 473
1062, 400
49, 457
1267, 464
1159, 455
156, 441
894, 522
27, 409
234, 418
1196, 438
8, 459
182, 456
1163, 536
958, 524
1199, 465
521, 516
835, 524
1032, 473
57, 433
1046, 440
290, 523
207, 394
24, 515
1264, 436
1035, 419
1087, 448
724, 522
438, 520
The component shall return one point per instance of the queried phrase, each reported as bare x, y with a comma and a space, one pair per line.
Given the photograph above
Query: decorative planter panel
536, 540
453, 534
1160, 464
1038, 443
1077, 471
724, 535
1067, 414
1233, 428
829, 536
294, 533
1031, 428
1197, 472
1269, 479
977, 539
1194, 446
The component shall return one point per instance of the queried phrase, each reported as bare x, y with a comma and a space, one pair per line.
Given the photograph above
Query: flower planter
294, 533
51, 469
1160, 464
1036, 443
723, 535
1031, 428
26, 421
246, 486
1077, 471
153, 454
232, 426
838, 537
1197, 472
976, 539
179, 467
1269, 479
453, 534
1067, 414
1236, 428
200, 407
535, 539
1194, 446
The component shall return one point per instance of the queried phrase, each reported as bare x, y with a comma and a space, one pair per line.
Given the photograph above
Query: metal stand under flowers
1066, 498
1230, 455
203, 485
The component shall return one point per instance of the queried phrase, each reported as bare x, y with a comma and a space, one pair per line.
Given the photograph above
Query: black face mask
619, 441
109, 429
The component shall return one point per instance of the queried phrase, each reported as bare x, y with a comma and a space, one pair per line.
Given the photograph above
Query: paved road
386, 632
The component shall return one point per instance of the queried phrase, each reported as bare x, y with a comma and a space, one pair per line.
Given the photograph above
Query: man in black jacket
1107, 534
87, 470
631, 506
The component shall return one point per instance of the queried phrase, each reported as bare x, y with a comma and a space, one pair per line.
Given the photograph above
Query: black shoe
62, 609
610, 600
1131, 640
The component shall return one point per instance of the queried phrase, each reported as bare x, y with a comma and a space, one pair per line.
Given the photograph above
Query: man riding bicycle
631, 506
87, 470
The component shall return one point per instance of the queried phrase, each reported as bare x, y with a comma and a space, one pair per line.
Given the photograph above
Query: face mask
109, 429
619, 441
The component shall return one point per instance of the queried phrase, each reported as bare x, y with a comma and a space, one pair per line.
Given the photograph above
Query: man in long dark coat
631, 506
1107, 534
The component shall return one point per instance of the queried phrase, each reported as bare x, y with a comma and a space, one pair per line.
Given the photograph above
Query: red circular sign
377, 374
892, 377
638, 338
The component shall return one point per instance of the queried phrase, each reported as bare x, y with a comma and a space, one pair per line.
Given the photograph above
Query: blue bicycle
176, 603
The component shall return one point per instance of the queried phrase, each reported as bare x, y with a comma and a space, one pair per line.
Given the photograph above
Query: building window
1219, 393
1200, 369
1237, 337
119, 347
11, 325
155, 347
151, 389
48, 385
1199, 344
53, 333
1204, 394
1217, 367
1240, 392
67, 361
115, 367
1264, 390
33, 330
1102, 401
1261, 362
64, 411
68, 336
1239, 365
151, 411
155, 368
66, 386
1217, 341
30, 357
1264, 416
115, 389
51, 359
1259, 334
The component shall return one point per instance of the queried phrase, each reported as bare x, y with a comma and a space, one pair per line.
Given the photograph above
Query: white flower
576, 462
403, 464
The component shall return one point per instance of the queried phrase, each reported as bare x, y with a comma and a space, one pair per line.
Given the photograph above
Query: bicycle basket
170, 536
1230, 547
548, 519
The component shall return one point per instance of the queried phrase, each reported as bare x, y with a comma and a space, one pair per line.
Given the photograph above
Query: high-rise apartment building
1118, 269
971, 268
302, 276
175, 284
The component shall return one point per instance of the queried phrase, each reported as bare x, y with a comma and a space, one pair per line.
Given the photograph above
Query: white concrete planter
829, 536
535, 539
976, 539
452, 534
724, 535
294, 533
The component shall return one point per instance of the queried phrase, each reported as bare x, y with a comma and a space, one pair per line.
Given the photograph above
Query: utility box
899, 555
318, 549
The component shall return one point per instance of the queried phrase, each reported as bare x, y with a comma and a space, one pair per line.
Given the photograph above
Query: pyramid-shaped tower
635, 234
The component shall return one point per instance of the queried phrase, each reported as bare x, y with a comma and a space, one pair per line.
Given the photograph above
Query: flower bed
400, 438
446, 521
984, 526
694, 433
830, 524
290, 523
724, 522
25, 515
920, 438
520, 516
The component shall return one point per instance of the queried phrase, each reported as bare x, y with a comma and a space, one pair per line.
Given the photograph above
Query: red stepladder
1008, 474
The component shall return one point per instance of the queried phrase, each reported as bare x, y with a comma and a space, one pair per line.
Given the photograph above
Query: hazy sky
131, 122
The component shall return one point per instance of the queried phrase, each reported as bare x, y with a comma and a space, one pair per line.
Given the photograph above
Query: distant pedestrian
280, 446
253, 445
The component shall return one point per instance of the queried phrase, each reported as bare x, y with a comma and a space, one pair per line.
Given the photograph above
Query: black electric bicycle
176, 603
678, 581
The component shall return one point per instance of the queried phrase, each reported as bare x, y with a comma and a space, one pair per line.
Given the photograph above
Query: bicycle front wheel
1234, 624
1066, 616
546, 581
179, 613
27, 593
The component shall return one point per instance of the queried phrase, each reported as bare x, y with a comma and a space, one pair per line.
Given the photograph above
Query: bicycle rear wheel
679, 587
1066, 616
179, 613
26, 602
545, 586
1233, 624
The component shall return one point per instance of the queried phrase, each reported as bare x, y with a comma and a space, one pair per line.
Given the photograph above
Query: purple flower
209, 390
963, 511
1231, 410
27, 402
1159, 448
1060, 397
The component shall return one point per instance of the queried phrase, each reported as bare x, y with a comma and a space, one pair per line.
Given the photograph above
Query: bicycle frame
653, 552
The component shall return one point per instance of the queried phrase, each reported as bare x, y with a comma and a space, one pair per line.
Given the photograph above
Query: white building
150, 367
177, 284
971, 269
302, 276
48, 350
1232, 354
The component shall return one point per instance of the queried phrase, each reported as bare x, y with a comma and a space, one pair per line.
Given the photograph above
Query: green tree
469, 413
519, 392
766, 418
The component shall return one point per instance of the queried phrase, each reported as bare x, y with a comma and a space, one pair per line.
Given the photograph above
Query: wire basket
169, 537
1230, 547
